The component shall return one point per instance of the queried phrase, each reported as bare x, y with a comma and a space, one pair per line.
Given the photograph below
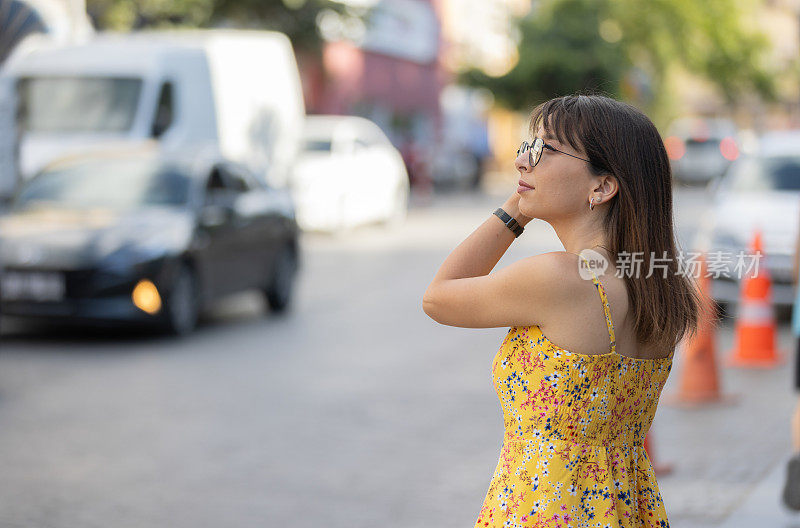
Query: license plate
32, 285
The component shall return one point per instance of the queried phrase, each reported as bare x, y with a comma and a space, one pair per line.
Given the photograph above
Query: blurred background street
218, 219
344, 413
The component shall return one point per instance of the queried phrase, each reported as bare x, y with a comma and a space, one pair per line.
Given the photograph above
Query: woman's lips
524, 187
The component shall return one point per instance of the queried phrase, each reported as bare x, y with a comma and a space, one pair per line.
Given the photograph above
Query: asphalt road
353, 409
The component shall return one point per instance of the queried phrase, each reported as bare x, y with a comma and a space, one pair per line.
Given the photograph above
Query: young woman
592, 333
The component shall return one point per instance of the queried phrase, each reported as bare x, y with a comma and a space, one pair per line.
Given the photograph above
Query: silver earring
591, 204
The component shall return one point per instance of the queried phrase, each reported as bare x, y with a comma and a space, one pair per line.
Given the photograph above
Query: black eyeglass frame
538, 146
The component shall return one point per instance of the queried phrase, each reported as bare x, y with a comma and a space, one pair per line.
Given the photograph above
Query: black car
144, 237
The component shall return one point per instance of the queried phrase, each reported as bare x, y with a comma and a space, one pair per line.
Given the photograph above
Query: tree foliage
296, 18
568, 46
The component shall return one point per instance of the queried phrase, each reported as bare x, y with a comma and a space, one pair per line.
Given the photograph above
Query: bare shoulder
555, 271
551, 279
523, 293
552, 264
559, 266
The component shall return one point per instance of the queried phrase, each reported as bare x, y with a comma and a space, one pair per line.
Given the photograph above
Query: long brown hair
619, 139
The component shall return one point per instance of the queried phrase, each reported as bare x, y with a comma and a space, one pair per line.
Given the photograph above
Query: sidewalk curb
763, 505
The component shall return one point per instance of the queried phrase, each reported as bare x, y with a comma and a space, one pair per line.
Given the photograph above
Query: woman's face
561, 184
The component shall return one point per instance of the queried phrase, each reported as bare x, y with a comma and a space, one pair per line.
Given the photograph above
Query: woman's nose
522, 162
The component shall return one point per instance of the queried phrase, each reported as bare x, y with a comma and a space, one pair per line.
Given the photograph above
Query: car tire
475, 181
182, 306
281, 284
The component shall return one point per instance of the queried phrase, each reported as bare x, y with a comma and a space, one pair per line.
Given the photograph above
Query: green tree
296, 18
568, 46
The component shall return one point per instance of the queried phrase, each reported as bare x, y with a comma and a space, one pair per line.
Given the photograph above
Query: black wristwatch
509, 221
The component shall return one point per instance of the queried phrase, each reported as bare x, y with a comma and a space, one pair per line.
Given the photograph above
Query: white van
237, 90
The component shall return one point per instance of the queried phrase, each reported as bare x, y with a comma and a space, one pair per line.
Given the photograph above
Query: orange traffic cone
755, 320
660, 469
699, 381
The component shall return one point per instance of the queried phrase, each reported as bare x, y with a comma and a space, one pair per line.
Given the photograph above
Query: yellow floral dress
572, 453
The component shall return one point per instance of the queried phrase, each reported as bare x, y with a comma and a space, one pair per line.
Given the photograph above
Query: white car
237, 91
760, 190
348, 174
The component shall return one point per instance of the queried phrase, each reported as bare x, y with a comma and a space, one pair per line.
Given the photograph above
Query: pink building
391, 73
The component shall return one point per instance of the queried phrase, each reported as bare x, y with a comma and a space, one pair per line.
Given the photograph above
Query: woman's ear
608, 185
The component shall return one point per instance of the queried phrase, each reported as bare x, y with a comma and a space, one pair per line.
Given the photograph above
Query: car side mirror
163, 116
159, 127
215, 215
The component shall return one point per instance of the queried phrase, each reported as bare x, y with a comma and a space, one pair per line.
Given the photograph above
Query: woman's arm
480, 252
465, 294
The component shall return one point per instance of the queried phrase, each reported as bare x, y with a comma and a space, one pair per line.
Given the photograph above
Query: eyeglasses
535, 151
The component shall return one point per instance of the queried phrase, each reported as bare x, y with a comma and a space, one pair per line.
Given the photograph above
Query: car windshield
115, 184
766, 174
78, 104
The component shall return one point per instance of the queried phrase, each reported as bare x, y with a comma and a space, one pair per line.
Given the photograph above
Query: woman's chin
526, 211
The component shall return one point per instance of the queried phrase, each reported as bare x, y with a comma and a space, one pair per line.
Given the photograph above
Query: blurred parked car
239, 89
456, 167
760, 190
142, 237
701, 149
348, 174
458, 156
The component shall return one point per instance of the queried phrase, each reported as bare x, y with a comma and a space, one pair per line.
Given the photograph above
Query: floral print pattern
572, 453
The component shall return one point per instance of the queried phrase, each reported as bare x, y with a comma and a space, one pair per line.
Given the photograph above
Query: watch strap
509, 221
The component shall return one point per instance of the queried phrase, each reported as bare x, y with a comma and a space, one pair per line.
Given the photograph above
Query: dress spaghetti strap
606, 308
